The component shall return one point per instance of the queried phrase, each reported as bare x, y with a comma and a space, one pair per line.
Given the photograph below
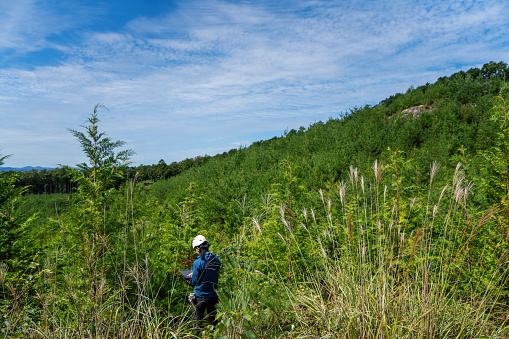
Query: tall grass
64, 298
376, 275
365, 263
371, 265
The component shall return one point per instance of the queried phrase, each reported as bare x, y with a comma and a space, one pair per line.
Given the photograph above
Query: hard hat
200, 239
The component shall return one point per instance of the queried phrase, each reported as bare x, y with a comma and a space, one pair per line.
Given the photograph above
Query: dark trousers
202, 304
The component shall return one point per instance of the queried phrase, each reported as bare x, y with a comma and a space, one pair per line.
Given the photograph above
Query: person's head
200, 245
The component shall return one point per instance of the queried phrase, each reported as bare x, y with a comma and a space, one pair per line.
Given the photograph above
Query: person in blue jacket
204, 278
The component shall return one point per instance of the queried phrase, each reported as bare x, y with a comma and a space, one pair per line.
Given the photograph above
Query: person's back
206, 275
204, 278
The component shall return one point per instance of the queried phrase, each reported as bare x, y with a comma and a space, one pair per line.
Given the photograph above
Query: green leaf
248, 335
247, 316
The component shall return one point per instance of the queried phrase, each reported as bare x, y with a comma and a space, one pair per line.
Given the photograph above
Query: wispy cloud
30, 25
228, 69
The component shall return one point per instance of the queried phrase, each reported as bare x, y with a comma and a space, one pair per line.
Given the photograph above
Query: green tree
12, 226
2, 159
106, 167
88, 230
495, 161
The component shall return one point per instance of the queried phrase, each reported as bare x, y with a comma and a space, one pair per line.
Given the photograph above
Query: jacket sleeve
196, 273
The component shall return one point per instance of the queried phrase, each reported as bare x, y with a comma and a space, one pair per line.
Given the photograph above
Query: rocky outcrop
414, 112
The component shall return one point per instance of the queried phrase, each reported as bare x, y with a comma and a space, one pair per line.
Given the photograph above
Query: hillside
455, 126
390, 220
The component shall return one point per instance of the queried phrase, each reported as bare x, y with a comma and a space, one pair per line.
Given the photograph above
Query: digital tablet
185, 273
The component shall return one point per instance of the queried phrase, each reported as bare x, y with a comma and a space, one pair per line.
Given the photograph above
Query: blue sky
196, 77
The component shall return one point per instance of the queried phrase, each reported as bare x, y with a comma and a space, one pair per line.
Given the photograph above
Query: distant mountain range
24, 169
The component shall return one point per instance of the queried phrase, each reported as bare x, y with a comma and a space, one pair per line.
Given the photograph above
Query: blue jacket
205, 276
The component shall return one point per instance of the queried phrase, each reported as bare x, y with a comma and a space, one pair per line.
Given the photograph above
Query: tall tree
89, 232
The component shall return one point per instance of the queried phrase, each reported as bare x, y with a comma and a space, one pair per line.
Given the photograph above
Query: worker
204, 277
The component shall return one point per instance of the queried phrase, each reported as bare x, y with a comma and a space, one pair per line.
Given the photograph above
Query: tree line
50, 181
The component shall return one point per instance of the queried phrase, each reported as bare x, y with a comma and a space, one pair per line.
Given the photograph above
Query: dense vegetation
379, 223
58, 180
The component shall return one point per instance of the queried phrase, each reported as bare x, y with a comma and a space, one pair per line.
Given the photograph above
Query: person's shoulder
215, 258
212, 256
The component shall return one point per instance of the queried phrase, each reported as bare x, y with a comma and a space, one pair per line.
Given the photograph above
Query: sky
182, 79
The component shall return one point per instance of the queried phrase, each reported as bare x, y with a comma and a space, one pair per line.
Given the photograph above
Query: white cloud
28, 25
213, 68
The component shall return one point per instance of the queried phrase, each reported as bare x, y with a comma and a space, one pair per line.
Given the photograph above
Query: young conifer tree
2, 159
105, 167
12, 227
89, 232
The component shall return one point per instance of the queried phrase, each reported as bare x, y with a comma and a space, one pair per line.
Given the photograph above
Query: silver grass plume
435, 210
321, 248
378, 169
342, 192
443, 192
354, 175
257, 225
394, 207
329, 214
467, 188
412, 202
3, 272
458, 191
305, 213
457, 175
283, 219
434, 169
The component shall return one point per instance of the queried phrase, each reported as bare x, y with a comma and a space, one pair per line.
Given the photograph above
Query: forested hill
453, 115
23, 169
390, 220
453, 122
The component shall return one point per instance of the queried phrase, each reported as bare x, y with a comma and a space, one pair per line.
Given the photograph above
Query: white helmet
200, 239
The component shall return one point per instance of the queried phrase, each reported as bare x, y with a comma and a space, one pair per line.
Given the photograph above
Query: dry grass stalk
378, 169
354, 175
434, 169
350, 228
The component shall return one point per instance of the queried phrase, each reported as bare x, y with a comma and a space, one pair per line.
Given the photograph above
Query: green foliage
18, 305
89, 237
11, 227
228, 326
496, 159
2, 159
105, 167
15, 242
16, 248
336, 230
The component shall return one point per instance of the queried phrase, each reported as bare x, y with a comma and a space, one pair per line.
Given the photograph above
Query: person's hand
188, 279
